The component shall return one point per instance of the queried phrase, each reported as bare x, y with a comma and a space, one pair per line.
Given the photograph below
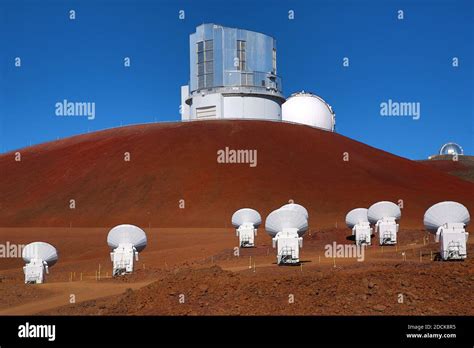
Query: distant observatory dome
451, 149
307, 108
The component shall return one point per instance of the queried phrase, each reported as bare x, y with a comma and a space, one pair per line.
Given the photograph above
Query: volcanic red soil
462, 168
175, 189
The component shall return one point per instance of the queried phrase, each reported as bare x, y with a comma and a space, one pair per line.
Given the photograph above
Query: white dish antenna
246, 215
445, 212
40, 251
285, 218
296, 207
356, 216
382, 210
127, 234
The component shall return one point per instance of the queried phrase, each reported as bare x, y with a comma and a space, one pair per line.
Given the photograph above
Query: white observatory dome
307, 108
451, 149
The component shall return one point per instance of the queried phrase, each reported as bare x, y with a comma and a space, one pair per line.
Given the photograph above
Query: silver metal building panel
185, 108
238, 68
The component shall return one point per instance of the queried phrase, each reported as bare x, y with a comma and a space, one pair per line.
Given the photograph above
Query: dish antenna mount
447, 220
358, 221
385, 216
287, 227
126, 241
39, 256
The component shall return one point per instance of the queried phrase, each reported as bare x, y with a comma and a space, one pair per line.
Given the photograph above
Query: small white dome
309, 109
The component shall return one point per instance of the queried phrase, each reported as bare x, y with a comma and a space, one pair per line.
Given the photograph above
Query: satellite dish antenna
383, 209
284, 219
448, 221
39, 256
287, 228
357, 220
126, 241
246, 221
246, 215
356, 216
443, 213
297, 207
385, 216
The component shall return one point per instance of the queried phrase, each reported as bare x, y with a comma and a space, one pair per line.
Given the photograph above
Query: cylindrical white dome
309, 109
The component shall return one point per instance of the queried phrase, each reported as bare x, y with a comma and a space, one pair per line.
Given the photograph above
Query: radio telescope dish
382, 210
246, 215
39, 256
127, 234
40, 251
445, 212
284, 218
356, 216
296, 207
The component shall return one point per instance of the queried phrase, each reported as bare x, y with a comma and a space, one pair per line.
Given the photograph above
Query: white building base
388, 230
453, 241
362, 233
35, 272
288, 245
123, 259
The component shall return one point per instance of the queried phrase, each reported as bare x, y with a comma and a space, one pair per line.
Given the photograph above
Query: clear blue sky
82, 60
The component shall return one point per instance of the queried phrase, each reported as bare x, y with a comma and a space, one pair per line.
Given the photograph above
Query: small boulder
203, 287
379, 308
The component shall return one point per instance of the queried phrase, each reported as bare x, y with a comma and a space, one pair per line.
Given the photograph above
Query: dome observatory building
233, 74
308, 108
449, 150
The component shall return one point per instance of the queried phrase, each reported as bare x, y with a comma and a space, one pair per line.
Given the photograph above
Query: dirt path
83, 291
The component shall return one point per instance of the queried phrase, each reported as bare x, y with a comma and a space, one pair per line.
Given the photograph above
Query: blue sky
407, 60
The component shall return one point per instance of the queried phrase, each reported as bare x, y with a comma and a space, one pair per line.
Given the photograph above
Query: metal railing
258, 79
